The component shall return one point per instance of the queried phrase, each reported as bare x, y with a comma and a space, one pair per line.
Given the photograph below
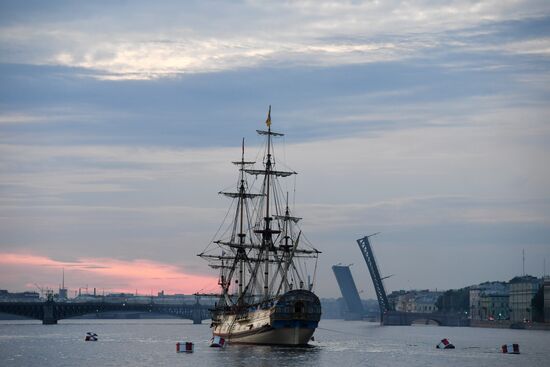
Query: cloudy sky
428, 121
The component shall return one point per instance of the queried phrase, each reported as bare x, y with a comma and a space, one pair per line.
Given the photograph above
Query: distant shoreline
122, 315
100, 316
507, 324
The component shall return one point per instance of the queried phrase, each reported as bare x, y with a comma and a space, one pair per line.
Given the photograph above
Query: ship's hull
270, 336
289, 320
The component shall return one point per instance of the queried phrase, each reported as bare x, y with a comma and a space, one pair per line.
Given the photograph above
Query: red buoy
445, 344
184, 347
510, 348
217, 342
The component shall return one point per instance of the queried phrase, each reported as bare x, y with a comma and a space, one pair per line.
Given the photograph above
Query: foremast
237, 246
241, 254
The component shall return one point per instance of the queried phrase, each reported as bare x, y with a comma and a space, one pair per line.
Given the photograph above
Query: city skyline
425, 121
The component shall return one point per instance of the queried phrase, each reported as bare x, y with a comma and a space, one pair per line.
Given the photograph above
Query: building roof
524, 279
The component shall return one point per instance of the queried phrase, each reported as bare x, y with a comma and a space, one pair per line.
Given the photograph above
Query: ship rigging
262, 256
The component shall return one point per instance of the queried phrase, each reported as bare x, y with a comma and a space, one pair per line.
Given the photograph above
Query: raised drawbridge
377, 279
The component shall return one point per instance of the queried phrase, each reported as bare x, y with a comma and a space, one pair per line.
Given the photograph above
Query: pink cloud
22, 271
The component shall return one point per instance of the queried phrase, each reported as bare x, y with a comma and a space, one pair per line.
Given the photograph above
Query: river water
337, 344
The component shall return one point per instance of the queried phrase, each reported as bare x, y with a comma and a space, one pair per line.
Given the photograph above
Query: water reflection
242, 355
338, 343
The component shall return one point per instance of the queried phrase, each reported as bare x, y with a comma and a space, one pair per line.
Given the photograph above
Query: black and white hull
290, 320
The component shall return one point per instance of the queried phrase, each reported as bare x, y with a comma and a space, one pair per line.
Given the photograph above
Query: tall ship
267, 267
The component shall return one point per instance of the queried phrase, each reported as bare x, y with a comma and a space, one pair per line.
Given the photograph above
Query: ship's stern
295, 317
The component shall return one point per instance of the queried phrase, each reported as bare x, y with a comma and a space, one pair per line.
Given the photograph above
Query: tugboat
266, 290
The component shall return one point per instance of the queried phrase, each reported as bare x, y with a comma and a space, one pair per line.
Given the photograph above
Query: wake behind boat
263, 258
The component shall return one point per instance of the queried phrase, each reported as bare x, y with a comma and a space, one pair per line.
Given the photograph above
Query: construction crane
40, 289
44, 291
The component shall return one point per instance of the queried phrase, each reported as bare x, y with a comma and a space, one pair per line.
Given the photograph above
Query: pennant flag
268, 121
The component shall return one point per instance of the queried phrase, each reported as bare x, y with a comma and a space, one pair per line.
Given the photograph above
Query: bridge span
50, 311
393, 318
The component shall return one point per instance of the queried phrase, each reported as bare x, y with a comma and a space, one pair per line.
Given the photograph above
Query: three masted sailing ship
264, 260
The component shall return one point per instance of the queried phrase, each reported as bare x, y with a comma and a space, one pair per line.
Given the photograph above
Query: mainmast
261, 239
267, 232
240, 251
267, 238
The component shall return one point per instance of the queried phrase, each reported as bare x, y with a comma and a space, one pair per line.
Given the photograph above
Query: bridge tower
196, 314
366, 250
49, 317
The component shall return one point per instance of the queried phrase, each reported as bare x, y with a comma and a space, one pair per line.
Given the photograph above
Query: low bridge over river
50, 311
392, 318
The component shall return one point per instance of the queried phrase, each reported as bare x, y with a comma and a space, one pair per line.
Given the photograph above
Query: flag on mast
268, 121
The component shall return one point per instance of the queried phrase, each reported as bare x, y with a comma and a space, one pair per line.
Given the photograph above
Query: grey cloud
434, 133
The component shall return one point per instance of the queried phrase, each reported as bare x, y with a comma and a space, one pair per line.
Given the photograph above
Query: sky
427, 121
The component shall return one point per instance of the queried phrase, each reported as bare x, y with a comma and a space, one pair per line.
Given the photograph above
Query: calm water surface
337, 343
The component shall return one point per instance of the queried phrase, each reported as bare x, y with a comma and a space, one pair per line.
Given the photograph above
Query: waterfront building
475, 303
546, 299
183, 298
522, 291
82, 298
393, 298
6, 296
489, 301
494, 306
423, 301
63, 294
405, 302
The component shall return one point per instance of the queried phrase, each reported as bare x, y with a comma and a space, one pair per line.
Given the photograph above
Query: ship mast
251, 245
267, 246
286, 247
238, 248
240, 251
267, 238
240, 256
